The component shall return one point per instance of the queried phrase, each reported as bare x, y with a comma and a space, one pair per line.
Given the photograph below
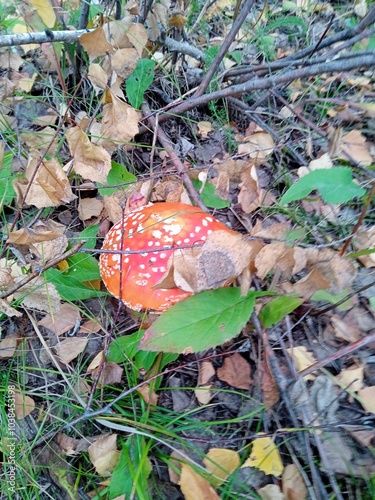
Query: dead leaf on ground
204, 393
8, 310
124, 62
323, 162
365, 240
46, 184
104, 455
92, 162
68, 349
293, 485
367, 398
251, 195
265, 456
95, 43
64, 320
89, 207
206, 372
221, 463
345, 329
150, 397
67, 444
24, 405
270, 391
38, 294
351, 377
354, 144
236, 372
259, 146
8, 346
194, 486
271, 492
204, 129
302, 359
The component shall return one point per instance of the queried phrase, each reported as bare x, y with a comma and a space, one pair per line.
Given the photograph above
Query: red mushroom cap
152, 227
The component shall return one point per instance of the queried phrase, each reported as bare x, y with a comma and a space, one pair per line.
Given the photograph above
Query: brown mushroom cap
152, 227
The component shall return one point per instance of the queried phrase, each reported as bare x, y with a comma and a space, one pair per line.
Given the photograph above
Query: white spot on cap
192, 235
197, 229
157, 243
157, 234
163, 255
150, 243
153, 259
172, 229
167, 239
186, 240
126, 260
144, 254
204, 222
209, 219
142, 266
141, 282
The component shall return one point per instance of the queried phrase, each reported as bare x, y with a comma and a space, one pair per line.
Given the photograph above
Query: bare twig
224, 47
167, 145
41, 37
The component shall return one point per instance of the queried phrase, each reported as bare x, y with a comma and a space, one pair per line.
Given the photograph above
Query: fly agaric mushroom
145, 237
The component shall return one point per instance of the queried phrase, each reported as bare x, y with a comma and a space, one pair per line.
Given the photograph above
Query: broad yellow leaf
265, 457
221, 463
45, 11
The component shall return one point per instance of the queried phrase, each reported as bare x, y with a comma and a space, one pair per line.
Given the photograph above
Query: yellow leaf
45, 11
265, 457
367, 398
221, 463
194, 486
302, 357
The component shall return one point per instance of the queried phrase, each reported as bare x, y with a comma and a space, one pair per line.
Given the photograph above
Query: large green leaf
139, 81
202, 321
118, 177
276, 309
208, 195
69, 287
336, 185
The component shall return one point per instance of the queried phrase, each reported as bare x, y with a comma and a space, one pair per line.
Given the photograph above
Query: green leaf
201, 321
89, 234
208, 195
367, 251
83, 267
275, 310
70, 288
7, 192
139, 81
119, 177
126, 348
336, 185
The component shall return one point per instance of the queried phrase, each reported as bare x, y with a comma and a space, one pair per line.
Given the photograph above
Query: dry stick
345, 351
365, 207
41, 37
35, 274
166, 143
224, 47
270, 82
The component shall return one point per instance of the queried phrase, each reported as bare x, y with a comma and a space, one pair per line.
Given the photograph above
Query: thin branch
41, 37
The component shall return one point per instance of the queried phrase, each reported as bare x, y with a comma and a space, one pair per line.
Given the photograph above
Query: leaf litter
70, 159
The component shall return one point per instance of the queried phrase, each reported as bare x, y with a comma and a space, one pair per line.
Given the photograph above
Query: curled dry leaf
149, 396
104, 455
351, 377
206, 372
8, 346
271, 492
235, 372
258, 146
8, 310
323, 162
119, 123
251, 196
90, 161
354, 145
45, 183
270, 391
98, 77
89, 207
24, 405
367, 400
302, 358
124, 62
204, 129
70, 348
294, 487
67, 444
138, 37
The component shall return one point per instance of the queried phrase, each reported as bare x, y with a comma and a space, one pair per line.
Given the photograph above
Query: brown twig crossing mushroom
146, 239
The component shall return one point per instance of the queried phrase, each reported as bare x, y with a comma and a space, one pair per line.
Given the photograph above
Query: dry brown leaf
117, 32
235, 372
270, 390
323, 162
48, 188
204, 129
194, 486
8, 310
221, 463
294, 487
206, 372
119, 123
39, 294
222, 185
344, 329
70, 348
365, 240
24, 405
309, 284
98, 77
149, 396
11, 60
104, 455
302, 359
138, 36
8, 347
63, 321
203, 393
174, 476
233, 168
354, 144
271, 492
67, 444
43, 140
89, 207
28, 235
251, 196
92, 162
351, 378
124, 62
276, 231
259, 146
367, 398
95, 43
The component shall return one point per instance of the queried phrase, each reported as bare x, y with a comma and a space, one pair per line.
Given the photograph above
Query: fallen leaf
365, 240
45, 184
90, 161
95, 43
251, 195
323, 162
293, 485
354, 144
270, 391
271, 492
194, 486
68, 349
8, 347
149, 396
204, 394
367, 398
204, 129
221, 463
104, 455
24, 405
344, 329
235, 372
302, 358
64, 320
138, 37
351, 377
38, 294
206, 372
124, 62
67, 444
265, 457
45, 11
8, 310
258, 146
89, 207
